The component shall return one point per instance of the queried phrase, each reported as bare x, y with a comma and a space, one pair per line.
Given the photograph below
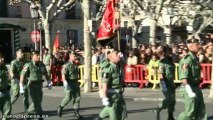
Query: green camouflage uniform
33, 71
113, 76
15, 68
46, 61
190, 69
167, 70
70, 70
104, 63
5, 104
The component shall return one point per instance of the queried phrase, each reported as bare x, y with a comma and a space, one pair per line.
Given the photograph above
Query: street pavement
140, 103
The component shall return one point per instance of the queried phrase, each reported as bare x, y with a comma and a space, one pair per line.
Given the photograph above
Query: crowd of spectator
143, 54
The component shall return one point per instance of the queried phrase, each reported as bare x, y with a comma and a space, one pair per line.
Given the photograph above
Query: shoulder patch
185, 66
105, 75
25, 68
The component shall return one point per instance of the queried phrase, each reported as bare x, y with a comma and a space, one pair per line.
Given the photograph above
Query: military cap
192, 39
35, 52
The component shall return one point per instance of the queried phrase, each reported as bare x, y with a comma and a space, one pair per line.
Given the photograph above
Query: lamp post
168, 27
40, 27
34, 16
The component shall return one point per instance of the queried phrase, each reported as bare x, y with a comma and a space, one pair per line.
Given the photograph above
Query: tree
87, 48
44, 8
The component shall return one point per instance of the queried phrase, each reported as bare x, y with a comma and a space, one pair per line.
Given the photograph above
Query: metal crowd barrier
140, 74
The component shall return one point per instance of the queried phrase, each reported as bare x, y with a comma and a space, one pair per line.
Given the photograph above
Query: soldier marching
26, 79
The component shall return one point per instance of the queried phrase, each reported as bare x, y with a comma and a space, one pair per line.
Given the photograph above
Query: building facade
16, 26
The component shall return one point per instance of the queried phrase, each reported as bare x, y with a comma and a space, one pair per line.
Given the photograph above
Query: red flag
107, 28
56, 43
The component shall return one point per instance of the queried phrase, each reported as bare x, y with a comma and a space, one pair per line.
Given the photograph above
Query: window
15, 11
72, 37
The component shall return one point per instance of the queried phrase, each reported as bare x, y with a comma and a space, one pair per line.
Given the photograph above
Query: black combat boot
59, 111
156, 112
77, 115
171, 117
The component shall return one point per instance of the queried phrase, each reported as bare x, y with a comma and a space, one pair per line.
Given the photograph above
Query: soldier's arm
45, 71
63, 72
24, 73
184, 69
184, 72
161, 70
12, 67
105, 81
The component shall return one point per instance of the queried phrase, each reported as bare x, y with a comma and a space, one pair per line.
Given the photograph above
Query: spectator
142, 58
184, 53
148, 55
102, 55
95, 57
153, 65
65, 56
175, 54
132, 59
154, 47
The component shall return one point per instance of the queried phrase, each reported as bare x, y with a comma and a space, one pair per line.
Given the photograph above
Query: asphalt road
91, 106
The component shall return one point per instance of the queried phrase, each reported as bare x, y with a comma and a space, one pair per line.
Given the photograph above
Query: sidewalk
135, 94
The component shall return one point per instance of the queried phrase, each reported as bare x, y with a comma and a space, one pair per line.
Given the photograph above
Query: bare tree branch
204, 25
69, 4
53, 2
138, 4
59, 3
12, 2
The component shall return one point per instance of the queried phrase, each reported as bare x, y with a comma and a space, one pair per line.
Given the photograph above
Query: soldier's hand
105, 101
21, 88
189, 91
66, 86
100, 94
49, 84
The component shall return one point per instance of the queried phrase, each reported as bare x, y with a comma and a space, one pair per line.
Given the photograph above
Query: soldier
104, 63
5, 104
33, 71
15, 71
166, 73
190, 74
71, 85
47, 60
113, 100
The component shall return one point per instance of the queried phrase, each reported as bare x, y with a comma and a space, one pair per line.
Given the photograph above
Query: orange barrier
206, 74
135, 74
139, 74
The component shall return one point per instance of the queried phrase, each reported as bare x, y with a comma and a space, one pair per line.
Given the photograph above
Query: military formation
25, 79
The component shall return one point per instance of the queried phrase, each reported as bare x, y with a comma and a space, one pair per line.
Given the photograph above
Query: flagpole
117, 22
118, 36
